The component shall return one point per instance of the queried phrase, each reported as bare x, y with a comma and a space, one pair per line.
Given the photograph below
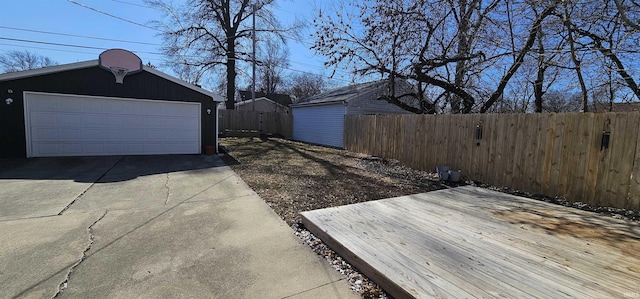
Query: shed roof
616, 107
280, 98
362, 91
94, 63
249, 101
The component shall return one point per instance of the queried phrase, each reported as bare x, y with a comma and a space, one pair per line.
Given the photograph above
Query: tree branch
518, 62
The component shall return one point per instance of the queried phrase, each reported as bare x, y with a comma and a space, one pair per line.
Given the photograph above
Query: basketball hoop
119, 73
120, 62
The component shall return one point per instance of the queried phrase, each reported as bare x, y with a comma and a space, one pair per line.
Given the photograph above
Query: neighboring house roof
358, 92
94, 63
616, 107
280, 98
249, 101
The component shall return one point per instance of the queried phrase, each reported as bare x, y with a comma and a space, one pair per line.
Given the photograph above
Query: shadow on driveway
97, 169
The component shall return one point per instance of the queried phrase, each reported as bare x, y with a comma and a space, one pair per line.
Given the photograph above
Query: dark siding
93, 81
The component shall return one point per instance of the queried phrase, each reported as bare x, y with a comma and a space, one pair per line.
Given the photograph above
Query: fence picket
253, 123
549, 154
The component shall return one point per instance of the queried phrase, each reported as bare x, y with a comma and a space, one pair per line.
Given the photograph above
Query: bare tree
633, 6
209, 34
189, 73
559, 101
304, 85
464, 55
447, 45
15, 61
273, 58
600, 34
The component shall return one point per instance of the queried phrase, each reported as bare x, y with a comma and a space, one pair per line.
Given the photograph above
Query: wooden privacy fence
549, 154
253, 123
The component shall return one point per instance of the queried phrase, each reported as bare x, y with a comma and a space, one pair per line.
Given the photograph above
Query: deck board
469, 242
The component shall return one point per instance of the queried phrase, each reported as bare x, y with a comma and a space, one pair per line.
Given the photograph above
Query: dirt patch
293, 177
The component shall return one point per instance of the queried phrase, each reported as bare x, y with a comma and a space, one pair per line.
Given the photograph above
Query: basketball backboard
120, 62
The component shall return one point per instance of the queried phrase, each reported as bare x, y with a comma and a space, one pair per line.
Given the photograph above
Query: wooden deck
470, 242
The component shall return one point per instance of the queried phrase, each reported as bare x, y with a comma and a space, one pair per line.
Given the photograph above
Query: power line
306, 72
68, 51
135, 4
48, 49
68, 45
49, 43
113, 16
82, 36
104, 48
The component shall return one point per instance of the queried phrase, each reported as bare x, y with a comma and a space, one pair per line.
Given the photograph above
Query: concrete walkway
151, 226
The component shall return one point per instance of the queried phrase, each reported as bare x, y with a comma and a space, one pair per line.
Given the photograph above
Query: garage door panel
152, 135
97, 148
47, 148
92, 119
113, 108
153, 122
43, 118
183, 111
68, 120
91, 135
109, 126
179, 123
43, 106
69, 105
173, 147
46, 134
111, 135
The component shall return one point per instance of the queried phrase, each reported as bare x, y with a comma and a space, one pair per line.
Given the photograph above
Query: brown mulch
293, 177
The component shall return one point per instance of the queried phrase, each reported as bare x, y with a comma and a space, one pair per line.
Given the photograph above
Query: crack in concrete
314, 288
64, 284
92, 184
166, 185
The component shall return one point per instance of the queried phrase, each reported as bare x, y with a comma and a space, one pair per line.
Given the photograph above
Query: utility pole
253, 70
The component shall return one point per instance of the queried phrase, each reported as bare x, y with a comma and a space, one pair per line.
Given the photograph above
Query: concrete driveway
148, 227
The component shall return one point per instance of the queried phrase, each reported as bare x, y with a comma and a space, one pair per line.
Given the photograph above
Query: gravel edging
358, 283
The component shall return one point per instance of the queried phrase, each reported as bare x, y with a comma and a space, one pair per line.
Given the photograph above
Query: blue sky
66, 17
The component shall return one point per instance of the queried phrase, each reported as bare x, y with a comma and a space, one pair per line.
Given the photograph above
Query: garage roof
94, 63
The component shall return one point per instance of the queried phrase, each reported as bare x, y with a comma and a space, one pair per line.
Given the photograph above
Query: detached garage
320, 119
110, 106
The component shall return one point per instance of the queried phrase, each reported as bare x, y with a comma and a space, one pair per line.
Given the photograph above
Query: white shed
320, 119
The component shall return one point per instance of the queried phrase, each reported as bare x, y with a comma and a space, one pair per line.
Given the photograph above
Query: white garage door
71, 125
319, 124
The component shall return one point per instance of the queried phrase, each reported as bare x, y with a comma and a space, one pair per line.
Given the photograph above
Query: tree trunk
537, 85
458, 104
576, 61
231, 74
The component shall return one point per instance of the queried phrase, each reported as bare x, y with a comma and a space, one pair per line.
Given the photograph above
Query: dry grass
293, 177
